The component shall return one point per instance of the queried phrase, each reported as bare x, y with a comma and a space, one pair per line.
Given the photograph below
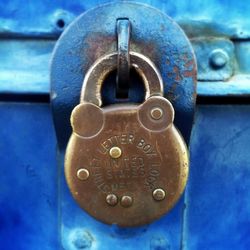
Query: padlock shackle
95, 76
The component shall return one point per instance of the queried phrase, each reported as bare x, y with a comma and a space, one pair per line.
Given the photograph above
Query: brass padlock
125, 164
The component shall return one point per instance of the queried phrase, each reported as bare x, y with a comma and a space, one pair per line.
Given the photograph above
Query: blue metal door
37, 210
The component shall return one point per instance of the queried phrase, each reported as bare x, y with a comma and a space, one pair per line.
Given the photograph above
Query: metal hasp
85, 56
93, 34
123, 62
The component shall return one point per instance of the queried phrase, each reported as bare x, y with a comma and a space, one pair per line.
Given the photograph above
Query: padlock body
149, 159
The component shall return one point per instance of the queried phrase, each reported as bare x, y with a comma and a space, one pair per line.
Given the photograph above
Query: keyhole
136, 92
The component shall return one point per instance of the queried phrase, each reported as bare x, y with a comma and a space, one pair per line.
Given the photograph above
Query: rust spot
188, 73
173, 88
171, 94
172, 97
147, 49
178, 77
176, 69
184, 57
97, 45
192, 72
194, 95
189, 63
169, 74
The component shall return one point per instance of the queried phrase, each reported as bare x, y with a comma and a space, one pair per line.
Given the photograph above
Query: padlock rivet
111, 199
115, 152
126, 201
83, 174
159, 194
156, 113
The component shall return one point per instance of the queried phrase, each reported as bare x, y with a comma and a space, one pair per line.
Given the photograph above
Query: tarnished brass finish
159, 194
151, 158
83, 174
126, 201
115, 152
111, 199
91, 88
156, 113
136, 159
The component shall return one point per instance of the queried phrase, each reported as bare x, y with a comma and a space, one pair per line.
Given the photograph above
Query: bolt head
218, 58
126, 201
156, 113
111, 199
83, 174
159, 194
115, 152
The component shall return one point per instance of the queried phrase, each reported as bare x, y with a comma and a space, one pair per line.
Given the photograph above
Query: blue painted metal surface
31, 72
220, 19
216, 59
33, 216
217, 198
28, 179
24, 66
203, 18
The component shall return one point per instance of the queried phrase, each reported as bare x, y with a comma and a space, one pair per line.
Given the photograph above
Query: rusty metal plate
93, 34
126, 164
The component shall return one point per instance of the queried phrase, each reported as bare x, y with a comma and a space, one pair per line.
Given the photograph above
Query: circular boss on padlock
125, 164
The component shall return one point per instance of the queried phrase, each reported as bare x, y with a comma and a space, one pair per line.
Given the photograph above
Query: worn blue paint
31, 59
217, 198
39, 18
28, 179
205, 23
238, 86
24, 66
85, 41
209, 53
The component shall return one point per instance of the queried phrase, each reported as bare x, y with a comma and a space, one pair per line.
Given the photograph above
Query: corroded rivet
115, 152
159, 194
111, 199
83, 174
126, 201
81, 239
218, 58
156, 113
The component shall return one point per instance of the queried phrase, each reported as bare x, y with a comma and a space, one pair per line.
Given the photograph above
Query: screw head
81, 239
115, 152
126, 201
111, 199
83, 174
159, 194
218, 58
156, 113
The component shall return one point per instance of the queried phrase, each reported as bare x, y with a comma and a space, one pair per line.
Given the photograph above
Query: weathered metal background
226, 18
203, 21
213, 214
153, 34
